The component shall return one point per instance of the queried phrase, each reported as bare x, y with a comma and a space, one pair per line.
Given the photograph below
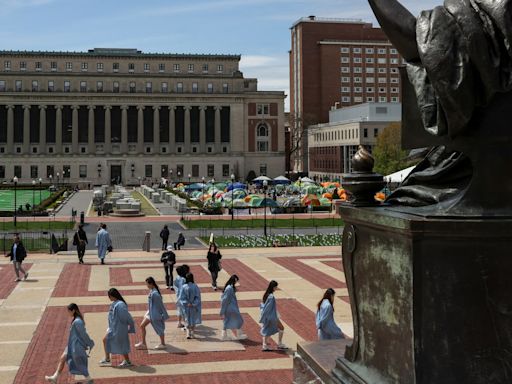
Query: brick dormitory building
122, 115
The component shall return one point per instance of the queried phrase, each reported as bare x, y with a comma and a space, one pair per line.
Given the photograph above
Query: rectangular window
262, 146
85, 66
2, 85
370, 99
18, 85
149, 87
69, 66
115, 87
7, 65
381, 51
34, 172
358, 60
17, 171
53, 66
393, 51
263, 169
358, 89
345, 69
394, 90
358, 79
393, 61
176, 67
370, 90
148, 170
179, 87
195, 170
35, 86
263, 109
131, 67
394, 99
345, 60
83, 86
99, 67
358, 70
365, 132
382, 70
23, 65
132, 87
356, 50
345, 79
205, 68
161, 67
179, 170
191, 67
220, 68
382, 80
345, 89
39, 66
49, 171
345, 99
195, 88
211, 170
382, 60
146, 67
210, 88
344, 50
383, 99
394, 80
375, 132
393, 70
369, 60
225, 88
66, 171
370, 80
369, 51
225, 170
2, 171
51, 86
165, 87
115, 67
67, 86
82, 171
99, 86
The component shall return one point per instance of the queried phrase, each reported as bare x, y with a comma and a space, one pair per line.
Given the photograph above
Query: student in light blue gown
120, 324
75, 353
190, 299
232, 318
327, 328
156, 315
269, 319
179, 282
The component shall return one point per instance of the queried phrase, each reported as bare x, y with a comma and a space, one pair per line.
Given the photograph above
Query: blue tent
235, 186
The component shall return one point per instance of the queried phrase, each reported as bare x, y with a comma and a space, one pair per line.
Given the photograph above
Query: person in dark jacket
214, 267
80, 241
17, 255
164, 235
169, 259
180, 242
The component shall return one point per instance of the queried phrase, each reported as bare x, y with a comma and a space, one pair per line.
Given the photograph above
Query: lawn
145, 207
31, 244
259, 223
251, 241
23, 196
28, 224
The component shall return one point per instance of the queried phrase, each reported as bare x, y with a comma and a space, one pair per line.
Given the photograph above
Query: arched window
262, 130
262, 138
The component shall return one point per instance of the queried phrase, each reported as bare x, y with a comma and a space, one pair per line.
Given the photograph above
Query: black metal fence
33, 241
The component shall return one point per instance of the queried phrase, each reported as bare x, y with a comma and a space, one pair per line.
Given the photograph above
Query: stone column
187, 129
217, 129
10, 129
108, 130
91, 145
156, 129
26, 129
74, 130
140, 129
124, 129
42, 129
58, 130
202, 129
172, 129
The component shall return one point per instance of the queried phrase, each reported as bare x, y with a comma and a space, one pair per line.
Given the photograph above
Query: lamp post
189, 184
179, 176
40, 182
58, 174
265, 184
202, 186
133, 170
33, 196
232, 196
15, 180
170, 179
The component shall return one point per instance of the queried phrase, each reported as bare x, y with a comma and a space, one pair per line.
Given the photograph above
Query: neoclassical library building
124, 116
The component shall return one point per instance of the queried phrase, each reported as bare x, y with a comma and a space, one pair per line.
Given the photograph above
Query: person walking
156, 315
17, 254
180, 281
325, 324
269, 319
103, 242
190, 298
180, 242
164, 235
214, 266
80, 241
168, 259
75, 353
229, 310
120, 324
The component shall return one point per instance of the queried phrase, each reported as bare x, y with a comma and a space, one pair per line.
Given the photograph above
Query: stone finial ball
362, 161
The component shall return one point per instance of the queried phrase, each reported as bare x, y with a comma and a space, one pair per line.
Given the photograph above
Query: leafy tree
388, 153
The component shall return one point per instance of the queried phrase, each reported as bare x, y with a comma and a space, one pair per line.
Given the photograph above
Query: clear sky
259, 30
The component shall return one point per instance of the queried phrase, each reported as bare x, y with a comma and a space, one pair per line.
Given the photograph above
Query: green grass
27, 224
145, 207
251, 241
31, 244
259, 223
23, 197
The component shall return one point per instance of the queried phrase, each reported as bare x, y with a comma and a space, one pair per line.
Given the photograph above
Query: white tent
399, 176
307, 180
262, 178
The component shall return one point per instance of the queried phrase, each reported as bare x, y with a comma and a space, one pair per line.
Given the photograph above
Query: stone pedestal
431, 298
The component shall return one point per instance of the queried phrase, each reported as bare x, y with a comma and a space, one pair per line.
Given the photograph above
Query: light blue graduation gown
120, 323
103, 241
229, 309
157, 312
268, 317
78, 342
190, 294
327, 328
179, 282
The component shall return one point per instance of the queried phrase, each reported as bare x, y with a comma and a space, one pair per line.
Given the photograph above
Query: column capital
156, 107
9, 106
217, 108
26, 107
141, 107
202, 107
124, 107
75, 107
109, 107
91, 107
42, 106
59, 107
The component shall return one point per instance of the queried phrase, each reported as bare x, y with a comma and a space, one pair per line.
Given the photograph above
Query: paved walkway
34, 322
79, 201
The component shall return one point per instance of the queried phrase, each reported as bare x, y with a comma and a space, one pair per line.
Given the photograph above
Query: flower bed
252, 241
